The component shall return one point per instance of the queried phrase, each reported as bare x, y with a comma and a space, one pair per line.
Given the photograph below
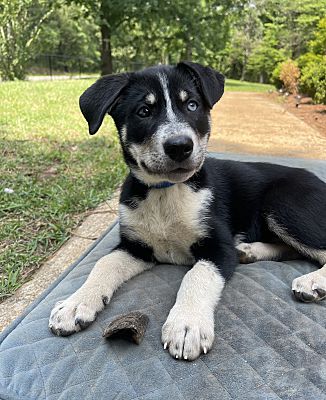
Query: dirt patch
255, 123
49, 172
313, 114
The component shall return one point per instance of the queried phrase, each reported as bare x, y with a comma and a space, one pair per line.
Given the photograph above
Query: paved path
245, 122
242, 123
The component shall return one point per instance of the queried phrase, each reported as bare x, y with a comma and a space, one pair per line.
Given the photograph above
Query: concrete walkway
242, 123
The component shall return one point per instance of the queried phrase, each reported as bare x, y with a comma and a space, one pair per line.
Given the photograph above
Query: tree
267, 55
109, 15
246, 33
267, 32
158, 30
313, 65
72, 36
20, 24
296, 21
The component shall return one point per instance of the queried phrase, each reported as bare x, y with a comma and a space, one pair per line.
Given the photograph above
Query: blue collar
161, 185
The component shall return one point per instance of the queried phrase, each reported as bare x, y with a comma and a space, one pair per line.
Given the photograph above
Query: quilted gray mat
268, 346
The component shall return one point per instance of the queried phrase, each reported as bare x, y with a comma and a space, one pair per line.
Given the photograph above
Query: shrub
289, 75
313, 80
262, 63
275, 79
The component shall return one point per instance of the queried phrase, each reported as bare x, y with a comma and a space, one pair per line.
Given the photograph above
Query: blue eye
192, 105
144, 112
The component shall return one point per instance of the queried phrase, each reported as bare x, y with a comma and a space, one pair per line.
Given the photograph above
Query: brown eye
144, 112
192, 105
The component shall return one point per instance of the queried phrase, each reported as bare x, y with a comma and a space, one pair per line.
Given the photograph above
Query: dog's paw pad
309, 287
245, 253
187, 338
69, 316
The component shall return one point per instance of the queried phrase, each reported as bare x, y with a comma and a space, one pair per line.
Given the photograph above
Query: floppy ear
99, 99
210, 82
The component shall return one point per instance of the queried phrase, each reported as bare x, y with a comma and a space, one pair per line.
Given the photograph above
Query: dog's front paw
188, 333
310, 287
73, 314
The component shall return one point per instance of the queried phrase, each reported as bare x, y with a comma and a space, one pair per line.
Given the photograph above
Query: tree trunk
244, 68
106, 54
243, 73
186, 55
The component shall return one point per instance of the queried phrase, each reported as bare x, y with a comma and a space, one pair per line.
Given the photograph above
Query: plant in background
275, 79
313, 66
20, 24
289, 75
313, 80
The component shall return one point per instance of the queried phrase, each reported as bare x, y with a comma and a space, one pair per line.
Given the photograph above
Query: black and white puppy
179, 207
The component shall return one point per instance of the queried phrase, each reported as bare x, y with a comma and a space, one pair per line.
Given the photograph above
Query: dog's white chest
169, 221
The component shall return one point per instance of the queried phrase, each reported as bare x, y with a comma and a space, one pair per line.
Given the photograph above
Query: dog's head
162, 114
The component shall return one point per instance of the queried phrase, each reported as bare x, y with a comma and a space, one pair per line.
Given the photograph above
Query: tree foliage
20, 25
246, 39
168, 31
135, 31
72, 36
313, 65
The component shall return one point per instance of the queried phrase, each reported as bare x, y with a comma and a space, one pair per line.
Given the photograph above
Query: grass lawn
54, 168
233, 85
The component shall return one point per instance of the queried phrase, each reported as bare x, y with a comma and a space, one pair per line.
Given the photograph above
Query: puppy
179, 206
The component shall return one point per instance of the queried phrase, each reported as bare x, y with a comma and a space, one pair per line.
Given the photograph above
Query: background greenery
245, 39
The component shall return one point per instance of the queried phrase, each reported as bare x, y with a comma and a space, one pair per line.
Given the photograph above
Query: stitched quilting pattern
267, 345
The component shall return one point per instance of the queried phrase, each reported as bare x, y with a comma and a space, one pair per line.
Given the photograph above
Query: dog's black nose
179, 148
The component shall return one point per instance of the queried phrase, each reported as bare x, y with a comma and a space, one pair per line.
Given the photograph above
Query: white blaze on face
169, 111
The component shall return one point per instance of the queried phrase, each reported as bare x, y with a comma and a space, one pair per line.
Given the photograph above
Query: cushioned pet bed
267, 346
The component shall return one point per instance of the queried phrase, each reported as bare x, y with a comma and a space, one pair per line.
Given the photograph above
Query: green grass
233, 85
57, 172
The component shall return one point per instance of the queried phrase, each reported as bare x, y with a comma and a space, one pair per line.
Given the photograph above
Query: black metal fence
56, 65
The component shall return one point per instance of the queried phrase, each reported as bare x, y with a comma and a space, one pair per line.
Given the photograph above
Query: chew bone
130, 326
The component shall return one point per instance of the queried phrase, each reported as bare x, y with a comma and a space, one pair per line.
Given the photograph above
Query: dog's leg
312, 286
81, 308
295, 211
189, 328
259, 251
